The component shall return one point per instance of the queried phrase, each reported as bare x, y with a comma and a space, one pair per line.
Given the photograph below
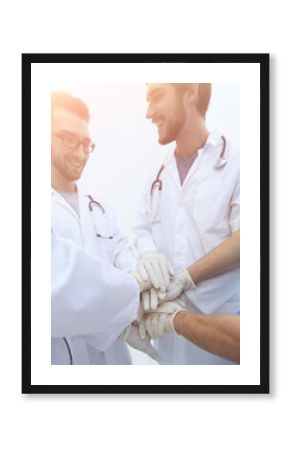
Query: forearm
223, 258
218, 334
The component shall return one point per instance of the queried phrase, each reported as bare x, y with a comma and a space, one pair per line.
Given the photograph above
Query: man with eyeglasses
95, 294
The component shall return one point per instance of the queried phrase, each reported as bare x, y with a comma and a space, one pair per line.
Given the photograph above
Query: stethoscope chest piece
221, 162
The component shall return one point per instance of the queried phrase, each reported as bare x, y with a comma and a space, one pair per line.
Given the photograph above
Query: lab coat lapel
204, 158
84, 209
194, 169
173, 171
58, 199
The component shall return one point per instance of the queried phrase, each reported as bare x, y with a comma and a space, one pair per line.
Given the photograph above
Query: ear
191, 94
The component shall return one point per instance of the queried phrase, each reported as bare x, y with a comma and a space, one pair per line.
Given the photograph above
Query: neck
59, 184
191, 140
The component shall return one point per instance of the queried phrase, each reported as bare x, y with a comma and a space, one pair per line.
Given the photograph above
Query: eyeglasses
70, 140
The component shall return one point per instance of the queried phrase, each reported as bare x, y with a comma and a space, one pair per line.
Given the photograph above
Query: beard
172, 126
64, 169
72, 173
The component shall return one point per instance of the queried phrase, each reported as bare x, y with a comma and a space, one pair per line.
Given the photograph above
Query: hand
132, 337
150, 299
181, 282
161, 320
143, 284
149, 302
154, 266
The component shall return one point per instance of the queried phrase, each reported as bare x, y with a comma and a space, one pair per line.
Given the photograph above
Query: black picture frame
263, 61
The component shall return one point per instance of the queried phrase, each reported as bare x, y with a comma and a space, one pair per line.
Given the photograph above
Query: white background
205, 421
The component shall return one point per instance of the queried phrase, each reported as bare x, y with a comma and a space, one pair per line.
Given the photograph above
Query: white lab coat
186, 222
92, 301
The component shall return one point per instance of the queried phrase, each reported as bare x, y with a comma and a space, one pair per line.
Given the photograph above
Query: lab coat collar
213, 138
82, 196
84, 217
58, 198
212, 142
170, 156
170, 162
56, 194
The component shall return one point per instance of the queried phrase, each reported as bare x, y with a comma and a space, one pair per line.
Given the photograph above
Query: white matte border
44, 78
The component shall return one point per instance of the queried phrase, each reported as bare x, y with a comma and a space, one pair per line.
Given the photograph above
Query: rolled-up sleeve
235, 207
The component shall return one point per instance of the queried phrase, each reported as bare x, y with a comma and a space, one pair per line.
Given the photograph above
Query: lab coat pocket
102, 235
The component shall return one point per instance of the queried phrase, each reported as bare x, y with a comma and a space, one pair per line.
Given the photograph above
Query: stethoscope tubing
92, 203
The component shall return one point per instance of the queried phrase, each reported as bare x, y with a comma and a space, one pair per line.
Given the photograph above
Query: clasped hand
151, 296
160, 321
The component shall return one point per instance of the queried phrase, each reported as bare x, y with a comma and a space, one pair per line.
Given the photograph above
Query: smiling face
67, 163
167, 111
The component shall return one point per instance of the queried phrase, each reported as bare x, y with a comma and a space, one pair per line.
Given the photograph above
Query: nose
149, 112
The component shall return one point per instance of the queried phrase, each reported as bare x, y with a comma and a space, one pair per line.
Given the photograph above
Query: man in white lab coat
94, 300
189, 217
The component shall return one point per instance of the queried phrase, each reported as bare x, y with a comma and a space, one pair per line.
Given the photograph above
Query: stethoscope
221, 162
157, 183
93, 203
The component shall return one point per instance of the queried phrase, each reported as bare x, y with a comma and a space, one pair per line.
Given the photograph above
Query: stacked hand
152, 326
143, 284
154, 267
180, 283
132, 337
161, 320
162, 297
158, 283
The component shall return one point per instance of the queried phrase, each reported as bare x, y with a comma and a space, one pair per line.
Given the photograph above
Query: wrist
177, 320
190, 284
125, 334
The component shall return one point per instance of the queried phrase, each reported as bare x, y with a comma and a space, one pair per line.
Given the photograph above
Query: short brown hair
204, 94
62, 100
